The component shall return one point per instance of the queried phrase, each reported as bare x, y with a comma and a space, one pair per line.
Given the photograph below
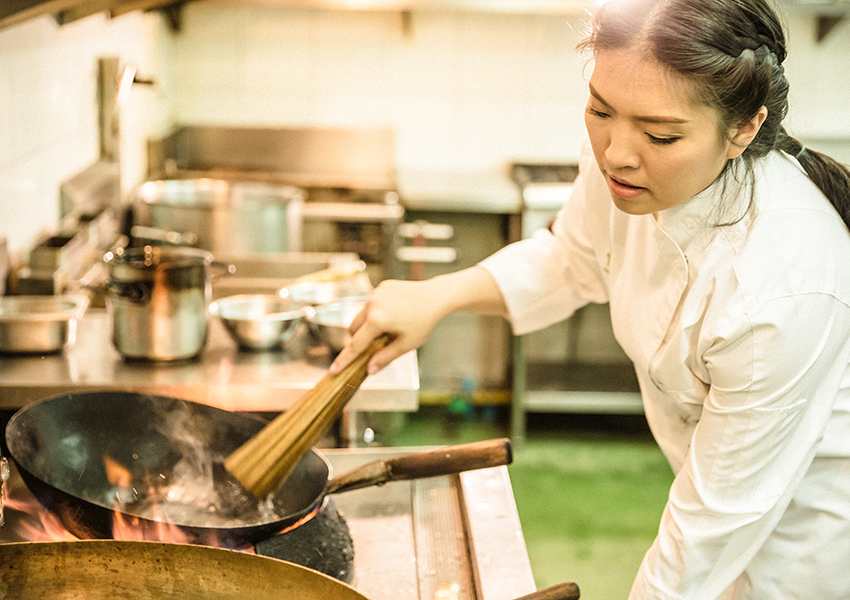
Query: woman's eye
661, 140
596, 113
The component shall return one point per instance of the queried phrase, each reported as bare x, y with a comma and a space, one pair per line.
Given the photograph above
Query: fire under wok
99, 461
108, 569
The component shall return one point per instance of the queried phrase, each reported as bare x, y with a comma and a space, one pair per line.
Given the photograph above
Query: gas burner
323, 543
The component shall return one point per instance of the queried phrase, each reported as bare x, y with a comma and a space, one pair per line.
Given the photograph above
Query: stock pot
157, 299
228, 217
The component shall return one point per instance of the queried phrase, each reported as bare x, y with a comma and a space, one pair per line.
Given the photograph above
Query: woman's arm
409, 311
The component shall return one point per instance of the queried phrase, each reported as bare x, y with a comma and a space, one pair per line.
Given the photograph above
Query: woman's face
655, 146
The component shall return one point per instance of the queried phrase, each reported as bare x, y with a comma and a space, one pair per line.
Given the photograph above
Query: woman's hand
409, 311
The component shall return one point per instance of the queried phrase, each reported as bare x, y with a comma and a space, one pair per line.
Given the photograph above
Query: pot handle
220, 269
137, 292
561, 591
430, 463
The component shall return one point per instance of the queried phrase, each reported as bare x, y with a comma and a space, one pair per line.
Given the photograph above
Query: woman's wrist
470, 290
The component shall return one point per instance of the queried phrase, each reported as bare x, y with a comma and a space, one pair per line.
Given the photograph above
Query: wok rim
100, 554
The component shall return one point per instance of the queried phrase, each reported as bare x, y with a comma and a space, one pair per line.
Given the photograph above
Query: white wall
819, 74
48, 110
464, 92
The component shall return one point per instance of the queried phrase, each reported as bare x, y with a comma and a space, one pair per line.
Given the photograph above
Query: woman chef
722, 247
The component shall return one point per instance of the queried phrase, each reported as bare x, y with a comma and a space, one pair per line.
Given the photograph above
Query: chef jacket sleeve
546, 278
774, 378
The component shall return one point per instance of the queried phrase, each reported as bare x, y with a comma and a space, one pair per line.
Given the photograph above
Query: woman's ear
745, 134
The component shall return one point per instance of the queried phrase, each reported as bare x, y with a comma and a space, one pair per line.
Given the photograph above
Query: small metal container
330, 322
39, 324
259, 321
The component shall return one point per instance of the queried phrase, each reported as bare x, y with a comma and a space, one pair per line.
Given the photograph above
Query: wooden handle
333, 273
430, 463
560, 591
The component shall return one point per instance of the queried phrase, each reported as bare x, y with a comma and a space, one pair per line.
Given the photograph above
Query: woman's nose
621, 152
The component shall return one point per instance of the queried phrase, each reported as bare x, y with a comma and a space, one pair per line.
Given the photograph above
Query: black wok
89, 457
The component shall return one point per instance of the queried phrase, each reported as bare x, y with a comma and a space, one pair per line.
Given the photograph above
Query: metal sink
266, 273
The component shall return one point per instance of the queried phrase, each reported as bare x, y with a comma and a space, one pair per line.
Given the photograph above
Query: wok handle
560, 591
430, 463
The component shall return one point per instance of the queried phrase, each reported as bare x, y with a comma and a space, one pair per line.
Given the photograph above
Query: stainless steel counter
223, 376
441, 537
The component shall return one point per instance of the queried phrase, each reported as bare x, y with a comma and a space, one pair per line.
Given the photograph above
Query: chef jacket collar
721, 202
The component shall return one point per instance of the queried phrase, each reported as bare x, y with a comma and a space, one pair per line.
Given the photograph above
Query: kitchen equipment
158, 298
108, 569
259, 321
343, 270
226, 216
116, 569
324, 292
411, 540
152, 235
39, 324
347, 174
262, 463
330, 322
102, 460
269, 272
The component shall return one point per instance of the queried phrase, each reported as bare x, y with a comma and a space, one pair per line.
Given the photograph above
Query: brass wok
109, 569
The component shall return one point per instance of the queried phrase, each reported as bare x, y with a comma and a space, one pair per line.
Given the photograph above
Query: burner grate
323, 543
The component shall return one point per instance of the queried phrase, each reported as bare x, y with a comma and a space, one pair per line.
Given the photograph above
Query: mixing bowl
259, 321
330, 321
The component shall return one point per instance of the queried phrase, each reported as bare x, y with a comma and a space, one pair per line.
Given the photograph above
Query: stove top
323, 543
453, 537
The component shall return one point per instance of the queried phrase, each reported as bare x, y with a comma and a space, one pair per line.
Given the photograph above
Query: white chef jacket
740, 337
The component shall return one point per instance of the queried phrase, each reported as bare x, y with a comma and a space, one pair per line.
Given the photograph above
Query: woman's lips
624, 189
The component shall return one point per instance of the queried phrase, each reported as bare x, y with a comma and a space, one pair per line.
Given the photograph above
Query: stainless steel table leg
518, 388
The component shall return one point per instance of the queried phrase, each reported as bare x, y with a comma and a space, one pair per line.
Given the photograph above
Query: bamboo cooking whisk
263, 462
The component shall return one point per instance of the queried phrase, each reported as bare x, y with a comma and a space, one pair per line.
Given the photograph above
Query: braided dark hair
732, 53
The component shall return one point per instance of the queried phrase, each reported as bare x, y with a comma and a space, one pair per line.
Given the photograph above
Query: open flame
37, 524
41, 526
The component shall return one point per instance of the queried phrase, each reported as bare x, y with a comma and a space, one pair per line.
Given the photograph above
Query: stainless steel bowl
330, 322
39, 324
259, 321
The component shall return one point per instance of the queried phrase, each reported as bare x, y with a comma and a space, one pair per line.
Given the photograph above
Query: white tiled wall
464, 92
48, 113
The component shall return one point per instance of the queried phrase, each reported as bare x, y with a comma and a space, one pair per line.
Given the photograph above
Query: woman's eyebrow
641, 118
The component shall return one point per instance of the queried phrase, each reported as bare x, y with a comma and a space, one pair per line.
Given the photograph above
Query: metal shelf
568, 388
583, 402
